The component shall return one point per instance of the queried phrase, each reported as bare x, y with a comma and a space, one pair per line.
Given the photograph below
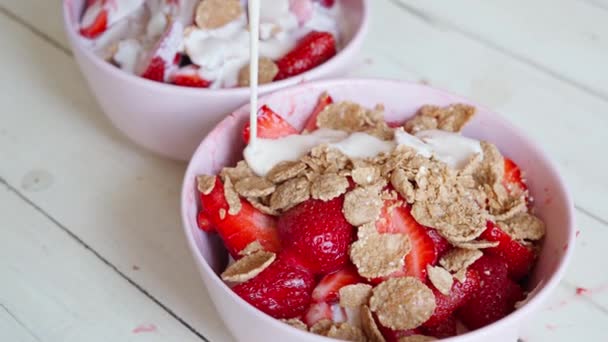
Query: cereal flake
401, 183
362, 205
346, 332
451, 118
290, 194
459, 259
355, 295
523, 226
417, 338
267, 70
402, 303
477, 244
369, 326
234, 202
248, 267
251, 248
259, 205
240, 171
296, 323
377, 255
350, 117
440, 278
254, 186
328, 186
285, 170
211, 14
321, 327
205, 184
366, 175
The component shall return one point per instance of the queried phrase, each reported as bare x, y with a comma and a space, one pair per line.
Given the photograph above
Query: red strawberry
324, 101
400, 220
204, 223
318, 233
312, 50
270, 125
447, 328
99, 25
156, 65
496, 296
238, 231
441, 244
518, 257
459, 295
189, 77
317, 312
391, 335
282, 290
513, 178
327, 3
328, 288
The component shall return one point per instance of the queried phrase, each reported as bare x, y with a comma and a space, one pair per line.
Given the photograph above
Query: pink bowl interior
223, 147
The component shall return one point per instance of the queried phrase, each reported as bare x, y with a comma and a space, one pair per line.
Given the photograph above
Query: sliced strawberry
496, 296
441, 244
328, 288
189, 77
238, 231
391, 335
204, 223
98, 26
459, 295
513, 176
445, 329
311, 51
282, 290
160, 59
324, 101
327, 3
318, 233
518, 257
270, 125
400, 220
316, 312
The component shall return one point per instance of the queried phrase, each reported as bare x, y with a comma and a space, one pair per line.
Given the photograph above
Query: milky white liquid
254, 34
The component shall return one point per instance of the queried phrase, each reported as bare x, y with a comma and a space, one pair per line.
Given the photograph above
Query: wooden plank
119, 200
564, 39
54, 289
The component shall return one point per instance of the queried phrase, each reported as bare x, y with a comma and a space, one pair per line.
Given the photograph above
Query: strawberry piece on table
160, 60
270, 125
446, 305
204, 223
519, 258
400, 220
189, 77
317, 312
282, 290
329, 287
318, 233
496, 296
513, 177
312, 50
98, 25
238, 231
447, 328
324, 101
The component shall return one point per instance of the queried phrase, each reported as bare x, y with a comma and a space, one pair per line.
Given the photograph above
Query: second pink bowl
223, 147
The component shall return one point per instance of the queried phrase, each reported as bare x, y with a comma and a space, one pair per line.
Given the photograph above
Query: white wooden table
91, 245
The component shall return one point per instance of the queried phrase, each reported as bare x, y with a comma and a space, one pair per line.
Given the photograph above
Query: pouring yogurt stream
263, 154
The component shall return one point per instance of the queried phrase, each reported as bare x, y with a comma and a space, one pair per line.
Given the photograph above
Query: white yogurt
451, 148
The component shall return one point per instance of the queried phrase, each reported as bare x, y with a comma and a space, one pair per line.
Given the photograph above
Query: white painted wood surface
91, 247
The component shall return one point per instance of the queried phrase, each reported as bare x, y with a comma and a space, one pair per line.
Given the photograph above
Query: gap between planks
20, 323
435, 22
100, 257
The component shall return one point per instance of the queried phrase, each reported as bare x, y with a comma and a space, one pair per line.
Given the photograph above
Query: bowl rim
341, 58
546, 287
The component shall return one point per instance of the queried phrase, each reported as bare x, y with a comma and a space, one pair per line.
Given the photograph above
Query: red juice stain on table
144, 328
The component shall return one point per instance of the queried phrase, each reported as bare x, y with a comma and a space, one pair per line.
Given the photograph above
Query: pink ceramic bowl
223, 147
172, 120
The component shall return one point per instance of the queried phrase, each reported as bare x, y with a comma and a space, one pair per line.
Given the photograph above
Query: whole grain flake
346, 332
523, 226
378, 255
251, 248
290, 194
369, 326
321, 327
417, 338
296, 323
254, 186
355, 295
248, 267
205, 184
240, 171
459, 259
212, 14
366, 175
328, 186
267, 70
362, 205
402, 303
285, 170
234, 202
477, 244
440, 278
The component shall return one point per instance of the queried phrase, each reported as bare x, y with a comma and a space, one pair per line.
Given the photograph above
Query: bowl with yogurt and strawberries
373, 210
165, 71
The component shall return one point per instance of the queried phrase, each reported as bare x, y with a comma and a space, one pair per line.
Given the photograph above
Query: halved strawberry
160, 59
189, 76
329, 287
99, 24
324, 101
318, 233
400, 220
513, 176
238, 231
282, 290
519, 258
204, 223
316, 312
496, 296
445, 329
459, 295
270, 125
312, 50
441, 244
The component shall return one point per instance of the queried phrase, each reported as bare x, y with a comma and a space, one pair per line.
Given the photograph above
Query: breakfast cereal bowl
171, 120
223, 146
